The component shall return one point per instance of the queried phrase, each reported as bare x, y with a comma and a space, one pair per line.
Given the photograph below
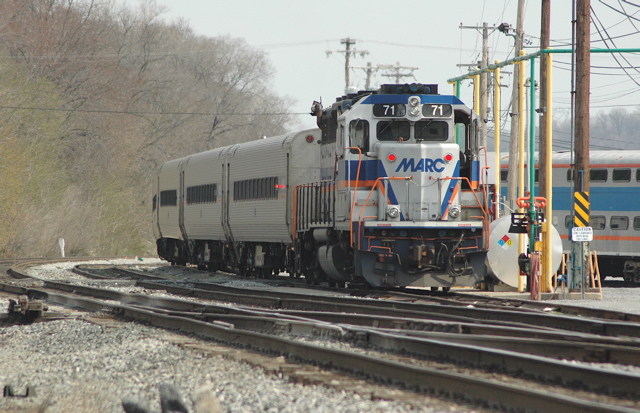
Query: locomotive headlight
393, 212
454, 212
414, 106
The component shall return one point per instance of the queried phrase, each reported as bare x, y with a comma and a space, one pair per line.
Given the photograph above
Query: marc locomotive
390, 190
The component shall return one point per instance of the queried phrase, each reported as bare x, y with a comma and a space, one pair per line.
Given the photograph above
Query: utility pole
546, 145
583, 63
545, 27
581, 172
348, 52
484, 84
396, 71
369, 70
516, 117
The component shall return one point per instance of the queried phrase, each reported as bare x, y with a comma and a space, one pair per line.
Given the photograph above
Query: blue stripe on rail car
610, 198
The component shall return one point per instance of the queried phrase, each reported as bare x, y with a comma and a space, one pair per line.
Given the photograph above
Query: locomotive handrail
380, 247
485, 189
482, 207
296, 190
355, 192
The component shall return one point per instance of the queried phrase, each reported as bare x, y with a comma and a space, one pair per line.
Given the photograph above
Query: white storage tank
502, 258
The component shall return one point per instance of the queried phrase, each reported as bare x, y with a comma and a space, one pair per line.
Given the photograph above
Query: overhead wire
123, 112
596, 22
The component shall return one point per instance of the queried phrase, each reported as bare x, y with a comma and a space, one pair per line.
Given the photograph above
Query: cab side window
359, 134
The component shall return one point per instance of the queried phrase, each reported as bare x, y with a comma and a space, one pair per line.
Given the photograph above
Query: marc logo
423, 165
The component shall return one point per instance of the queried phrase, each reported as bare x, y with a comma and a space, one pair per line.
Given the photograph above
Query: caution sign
581, 208
582, 234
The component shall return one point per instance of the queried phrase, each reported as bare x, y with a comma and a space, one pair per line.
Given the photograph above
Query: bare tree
126, 90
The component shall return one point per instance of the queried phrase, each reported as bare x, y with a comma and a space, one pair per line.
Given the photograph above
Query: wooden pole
581, 140
516, 117
583, 63
545, 183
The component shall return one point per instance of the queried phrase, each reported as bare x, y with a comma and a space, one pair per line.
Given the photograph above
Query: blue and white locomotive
388, 192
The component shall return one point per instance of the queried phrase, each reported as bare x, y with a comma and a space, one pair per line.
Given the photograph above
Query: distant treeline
94, 96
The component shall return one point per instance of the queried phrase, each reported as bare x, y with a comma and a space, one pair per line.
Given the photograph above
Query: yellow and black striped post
581, 208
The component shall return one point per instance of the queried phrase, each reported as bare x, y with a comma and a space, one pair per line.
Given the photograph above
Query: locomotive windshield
393, 130
431, 130
424, 130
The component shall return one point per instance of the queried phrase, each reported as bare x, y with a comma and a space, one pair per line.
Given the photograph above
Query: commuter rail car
388, 191
615, 213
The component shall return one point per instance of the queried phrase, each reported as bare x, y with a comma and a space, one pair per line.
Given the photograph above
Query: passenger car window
169, 198
598, 222
598, 175
620, 223
621, 175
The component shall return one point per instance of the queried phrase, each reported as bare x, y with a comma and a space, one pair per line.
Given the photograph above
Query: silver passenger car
231, 207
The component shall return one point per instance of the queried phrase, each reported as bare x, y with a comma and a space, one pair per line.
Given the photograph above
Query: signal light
391, 157
448, 157
309, 138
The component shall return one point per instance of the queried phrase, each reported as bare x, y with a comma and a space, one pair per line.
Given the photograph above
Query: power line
121, 112
596, 18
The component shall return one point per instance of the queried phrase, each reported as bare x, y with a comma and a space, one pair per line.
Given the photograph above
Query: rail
225, 327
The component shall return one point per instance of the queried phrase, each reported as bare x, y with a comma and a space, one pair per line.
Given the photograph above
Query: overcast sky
423, 34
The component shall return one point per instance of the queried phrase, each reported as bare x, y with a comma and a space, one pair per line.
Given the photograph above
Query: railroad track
421, 343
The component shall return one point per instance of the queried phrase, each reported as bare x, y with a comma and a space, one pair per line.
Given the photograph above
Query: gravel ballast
85, 363
81, 364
